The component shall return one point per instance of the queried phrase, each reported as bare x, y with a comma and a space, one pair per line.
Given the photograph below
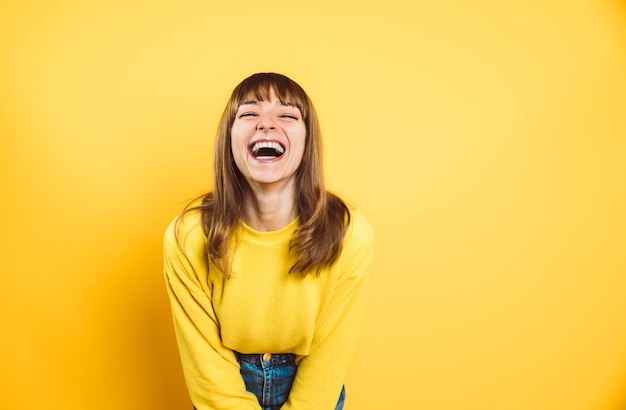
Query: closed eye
248, 114
290, 116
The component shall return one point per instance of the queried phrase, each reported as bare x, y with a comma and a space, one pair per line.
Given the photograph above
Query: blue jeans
271, 380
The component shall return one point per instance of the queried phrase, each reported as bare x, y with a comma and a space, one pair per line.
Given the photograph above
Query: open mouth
267, 150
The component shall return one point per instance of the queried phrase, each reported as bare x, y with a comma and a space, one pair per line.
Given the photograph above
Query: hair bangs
260, 86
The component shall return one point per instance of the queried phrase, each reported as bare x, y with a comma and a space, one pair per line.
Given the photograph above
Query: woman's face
267, 141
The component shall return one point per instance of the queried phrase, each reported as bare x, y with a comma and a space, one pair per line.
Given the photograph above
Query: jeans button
267, 357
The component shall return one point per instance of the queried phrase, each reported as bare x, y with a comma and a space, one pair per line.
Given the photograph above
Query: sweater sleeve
322, 373
211, 370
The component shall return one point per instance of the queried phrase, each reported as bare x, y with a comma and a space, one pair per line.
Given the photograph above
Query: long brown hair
323, 216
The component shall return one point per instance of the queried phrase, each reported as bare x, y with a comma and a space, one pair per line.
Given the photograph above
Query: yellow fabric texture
262, 308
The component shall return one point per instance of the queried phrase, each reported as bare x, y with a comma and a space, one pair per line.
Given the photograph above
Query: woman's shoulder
186, 229
357, 251
358, 226
360, 232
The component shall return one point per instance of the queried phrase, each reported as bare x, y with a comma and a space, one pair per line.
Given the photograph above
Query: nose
266, 123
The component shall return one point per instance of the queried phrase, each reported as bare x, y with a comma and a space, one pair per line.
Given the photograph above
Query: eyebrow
256, 102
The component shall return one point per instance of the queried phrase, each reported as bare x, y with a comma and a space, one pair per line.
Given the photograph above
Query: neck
269, 208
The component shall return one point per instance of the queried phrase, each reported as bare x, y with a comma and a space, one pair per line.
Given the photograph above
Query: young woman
267, 274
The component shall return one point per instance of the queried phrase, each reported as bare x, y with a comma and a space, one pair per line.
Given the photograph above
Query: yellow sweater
264, 309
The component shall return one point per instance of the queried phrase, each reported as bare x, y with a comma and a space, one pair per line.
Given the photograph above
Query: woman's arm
211, 370
323, 372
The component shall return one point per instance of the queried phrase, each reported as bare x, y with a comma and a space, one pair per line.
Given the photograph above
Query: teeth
268, 144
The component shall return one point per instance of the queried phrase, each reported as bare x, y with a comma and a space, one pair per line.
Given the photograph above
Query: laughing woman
267, 274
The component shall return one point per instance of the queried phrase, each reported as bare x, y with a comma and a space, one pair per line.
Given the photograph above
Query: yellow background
484, 139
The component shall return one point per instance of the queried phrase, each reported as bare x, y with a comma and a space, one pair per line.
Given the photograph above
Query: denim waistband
258, 358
